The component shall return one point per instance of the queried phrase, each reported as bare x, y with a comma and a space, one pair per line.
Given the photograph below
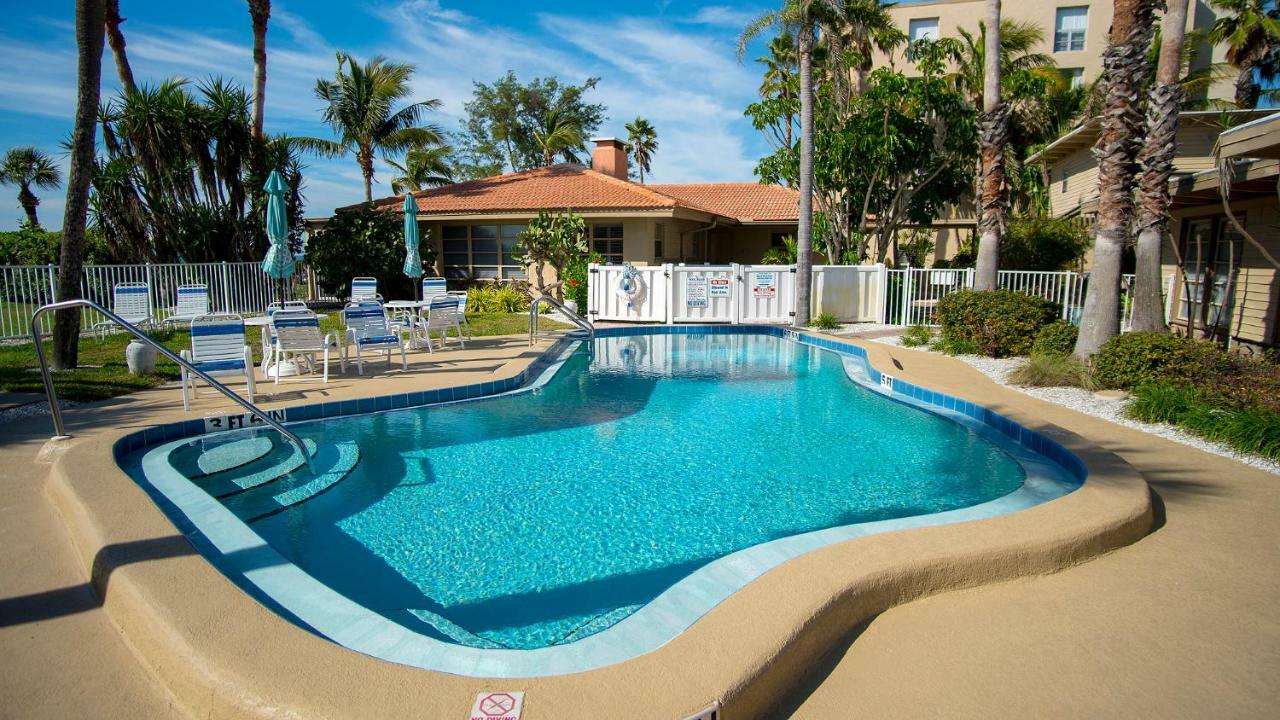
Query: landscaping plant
1132, 359
554, 240
999, 323
916, 336
1056, 338
826, 321
364, 242
1055, 369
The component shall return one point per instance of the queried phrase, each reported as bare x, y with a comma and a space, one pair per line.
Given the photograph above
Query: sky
672, 62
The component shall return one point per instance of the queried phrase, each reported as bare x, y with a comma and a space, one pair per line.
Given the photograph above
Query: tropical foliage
424, 167
360, 106
643, 139
364, 242
1000, 323
1251, 31
514, 126
27, 167
552, 240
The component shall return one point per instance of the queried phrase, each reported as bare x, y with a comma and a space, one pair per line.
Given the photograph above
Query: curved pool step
283, 459
212, 455
330, 464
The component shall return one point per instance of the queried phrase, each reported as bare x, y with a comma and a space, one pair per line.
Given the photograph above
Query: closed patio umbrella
278, 263
412, 259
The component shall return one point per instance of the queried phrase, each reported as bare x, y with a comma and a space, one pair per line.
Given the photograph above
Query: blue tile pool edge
237, 551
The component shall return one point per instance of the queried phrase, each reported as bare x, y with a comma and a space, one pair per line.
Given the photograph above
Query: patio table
413, 309
269, 367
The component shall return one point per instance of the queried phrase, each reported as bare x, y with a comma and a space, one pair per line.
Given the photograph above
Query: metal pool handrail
575, 318
49, 392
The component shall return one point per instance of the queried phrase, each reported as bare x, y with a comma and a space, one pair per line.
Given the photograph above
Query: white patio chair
368, 329
218, 348
462, 310
442, 314
269, 331
433, 286
364, 289
132, 302
193, 302
298, 336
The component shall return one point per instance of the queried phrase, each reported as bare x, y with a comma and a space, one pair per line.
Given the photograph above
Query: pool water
539, 518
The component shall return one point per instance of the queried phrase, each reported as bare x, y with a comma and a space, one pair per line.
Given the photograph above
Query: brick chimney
609, 157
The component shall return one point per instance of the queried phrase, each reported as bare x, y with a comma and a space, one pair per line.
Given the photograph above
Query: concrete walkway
1184, 623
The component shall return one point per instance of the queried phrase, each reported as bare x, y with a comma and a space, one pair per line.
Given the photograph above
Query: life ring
630, 286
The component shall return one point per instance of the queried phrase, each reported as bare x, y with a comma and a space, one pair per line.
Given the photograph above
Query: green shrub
364, 242
952, 346
1132, 359
999, 323
825, 321
495, 297
1043, 243
1053, 370
917, 336
1056, 338
577, 279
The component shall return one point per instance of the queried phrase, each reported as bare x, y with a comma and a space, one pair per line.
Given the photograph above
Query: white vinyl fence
853, 293
233, 287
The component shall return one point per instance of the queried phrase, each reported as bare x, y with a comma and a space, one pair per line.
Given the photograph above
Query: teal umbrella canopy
412, 259
278, 263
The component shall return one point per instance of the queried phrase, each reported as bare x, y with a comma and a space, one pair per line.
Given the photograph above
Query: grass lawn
103, 373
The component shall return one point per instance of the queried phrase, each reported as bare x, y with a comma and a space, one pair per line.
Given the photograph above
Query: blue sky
671, 62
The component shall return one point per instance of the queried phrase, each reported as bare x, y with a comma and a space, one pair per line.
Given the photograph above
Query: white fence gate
768, 294
704, 293
695, 293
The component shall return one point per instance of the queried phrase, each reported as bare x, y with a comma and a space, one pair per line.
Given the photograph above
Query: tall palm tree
1156, 159
1124, 65
643, 139
115, 39
779, 81
423, 167
801, 18
994, 124
560, 134
360, 109
260, 13
26, 166
90, 30
867, 26
1251, 33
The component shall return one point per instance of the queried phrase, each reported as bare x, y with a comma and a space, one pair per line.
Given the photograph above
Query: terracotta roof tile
576, 187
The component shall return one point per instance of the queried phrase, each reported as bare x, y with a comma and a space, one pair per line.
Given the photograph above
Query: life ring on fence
630, 286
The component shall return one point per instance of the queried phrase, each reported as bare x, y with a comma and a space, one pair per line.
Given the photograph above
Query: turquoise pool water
536, 519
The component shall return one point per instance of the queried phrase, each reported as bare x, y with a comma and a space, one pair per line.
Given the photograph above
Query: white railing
239, 287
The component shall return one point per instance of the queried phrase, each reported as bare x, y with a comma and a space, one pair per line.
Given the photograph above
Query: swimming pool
596, 512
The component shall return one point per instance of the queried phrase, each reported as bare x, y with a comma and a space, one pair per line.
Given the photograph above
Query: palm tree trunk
1124, 64
116, 40
804, 229
260, 12
1156, 159
29, 201
365, 158
995, 133
90, 28
1246, 97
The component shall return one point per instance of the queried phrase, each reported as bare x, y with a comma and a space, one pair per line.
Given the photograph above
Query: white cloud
725, 16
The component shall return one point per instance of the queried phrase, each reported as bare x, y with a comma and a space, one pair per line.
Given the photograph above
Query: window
778, 239
481, 251
1069, 27
923, 29
1074, 77
1210, 251
607, 240
659, 236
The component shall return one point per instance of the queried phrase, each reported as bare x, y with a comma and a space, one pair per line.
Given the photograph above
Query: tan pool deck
1182, 622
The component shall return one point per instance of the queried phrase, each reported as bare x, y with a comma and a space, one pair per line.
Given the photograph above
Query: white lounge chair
298, 336
132, 302
269, 331
364, 289
367, 329
442, 314
193, 302
218, 348
462, 310
433, 286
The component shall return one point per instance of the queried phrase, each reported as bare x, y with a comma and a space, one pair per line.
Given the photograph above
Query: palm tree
644, 143
260, 12
115, 39
423, 167
801, 18
780, 82
994, 125
90, 30
560, 134
1251, 33
869, 27
1125, 62
26, 166
1156, 159
360, 101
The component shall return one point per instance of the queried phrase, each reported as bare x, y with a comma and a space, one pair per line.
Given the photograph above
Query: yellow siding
1073, 181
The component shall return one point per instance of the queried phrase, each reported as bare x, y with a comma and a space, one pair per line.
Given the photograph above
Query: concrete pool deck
175, 637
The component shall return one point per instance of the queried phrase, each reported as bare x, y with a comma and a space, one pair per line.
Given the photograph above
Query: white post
226, 288
53, 284
882, 276
669, 313
905, 317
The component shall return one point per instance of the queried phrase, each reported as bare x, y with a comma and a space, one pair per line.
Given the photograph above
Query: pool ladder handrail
546, 297
60, 428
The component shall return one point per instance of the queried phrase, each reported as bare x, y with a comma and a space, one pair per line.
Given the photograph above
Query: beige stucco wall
1256, 291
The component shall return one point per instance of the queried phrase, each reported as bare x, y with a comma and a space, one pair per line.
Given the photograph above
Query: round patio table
270, 368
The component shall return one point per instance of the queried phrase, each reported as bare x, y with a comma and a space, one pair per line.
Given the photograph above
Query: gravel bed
861, 329
34, 409
1110, 409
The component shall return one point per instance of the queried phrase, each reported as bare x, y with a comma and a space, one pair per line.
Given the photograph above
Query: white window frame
918, 29
610, 258
1070, 39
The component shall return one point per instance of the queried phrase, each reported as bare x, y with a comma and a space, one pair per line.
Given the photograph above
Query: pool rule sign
695, 289
498, 706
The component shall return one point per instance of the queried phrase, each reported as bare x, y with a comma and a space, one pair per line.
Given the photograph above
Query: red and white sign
498, 706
